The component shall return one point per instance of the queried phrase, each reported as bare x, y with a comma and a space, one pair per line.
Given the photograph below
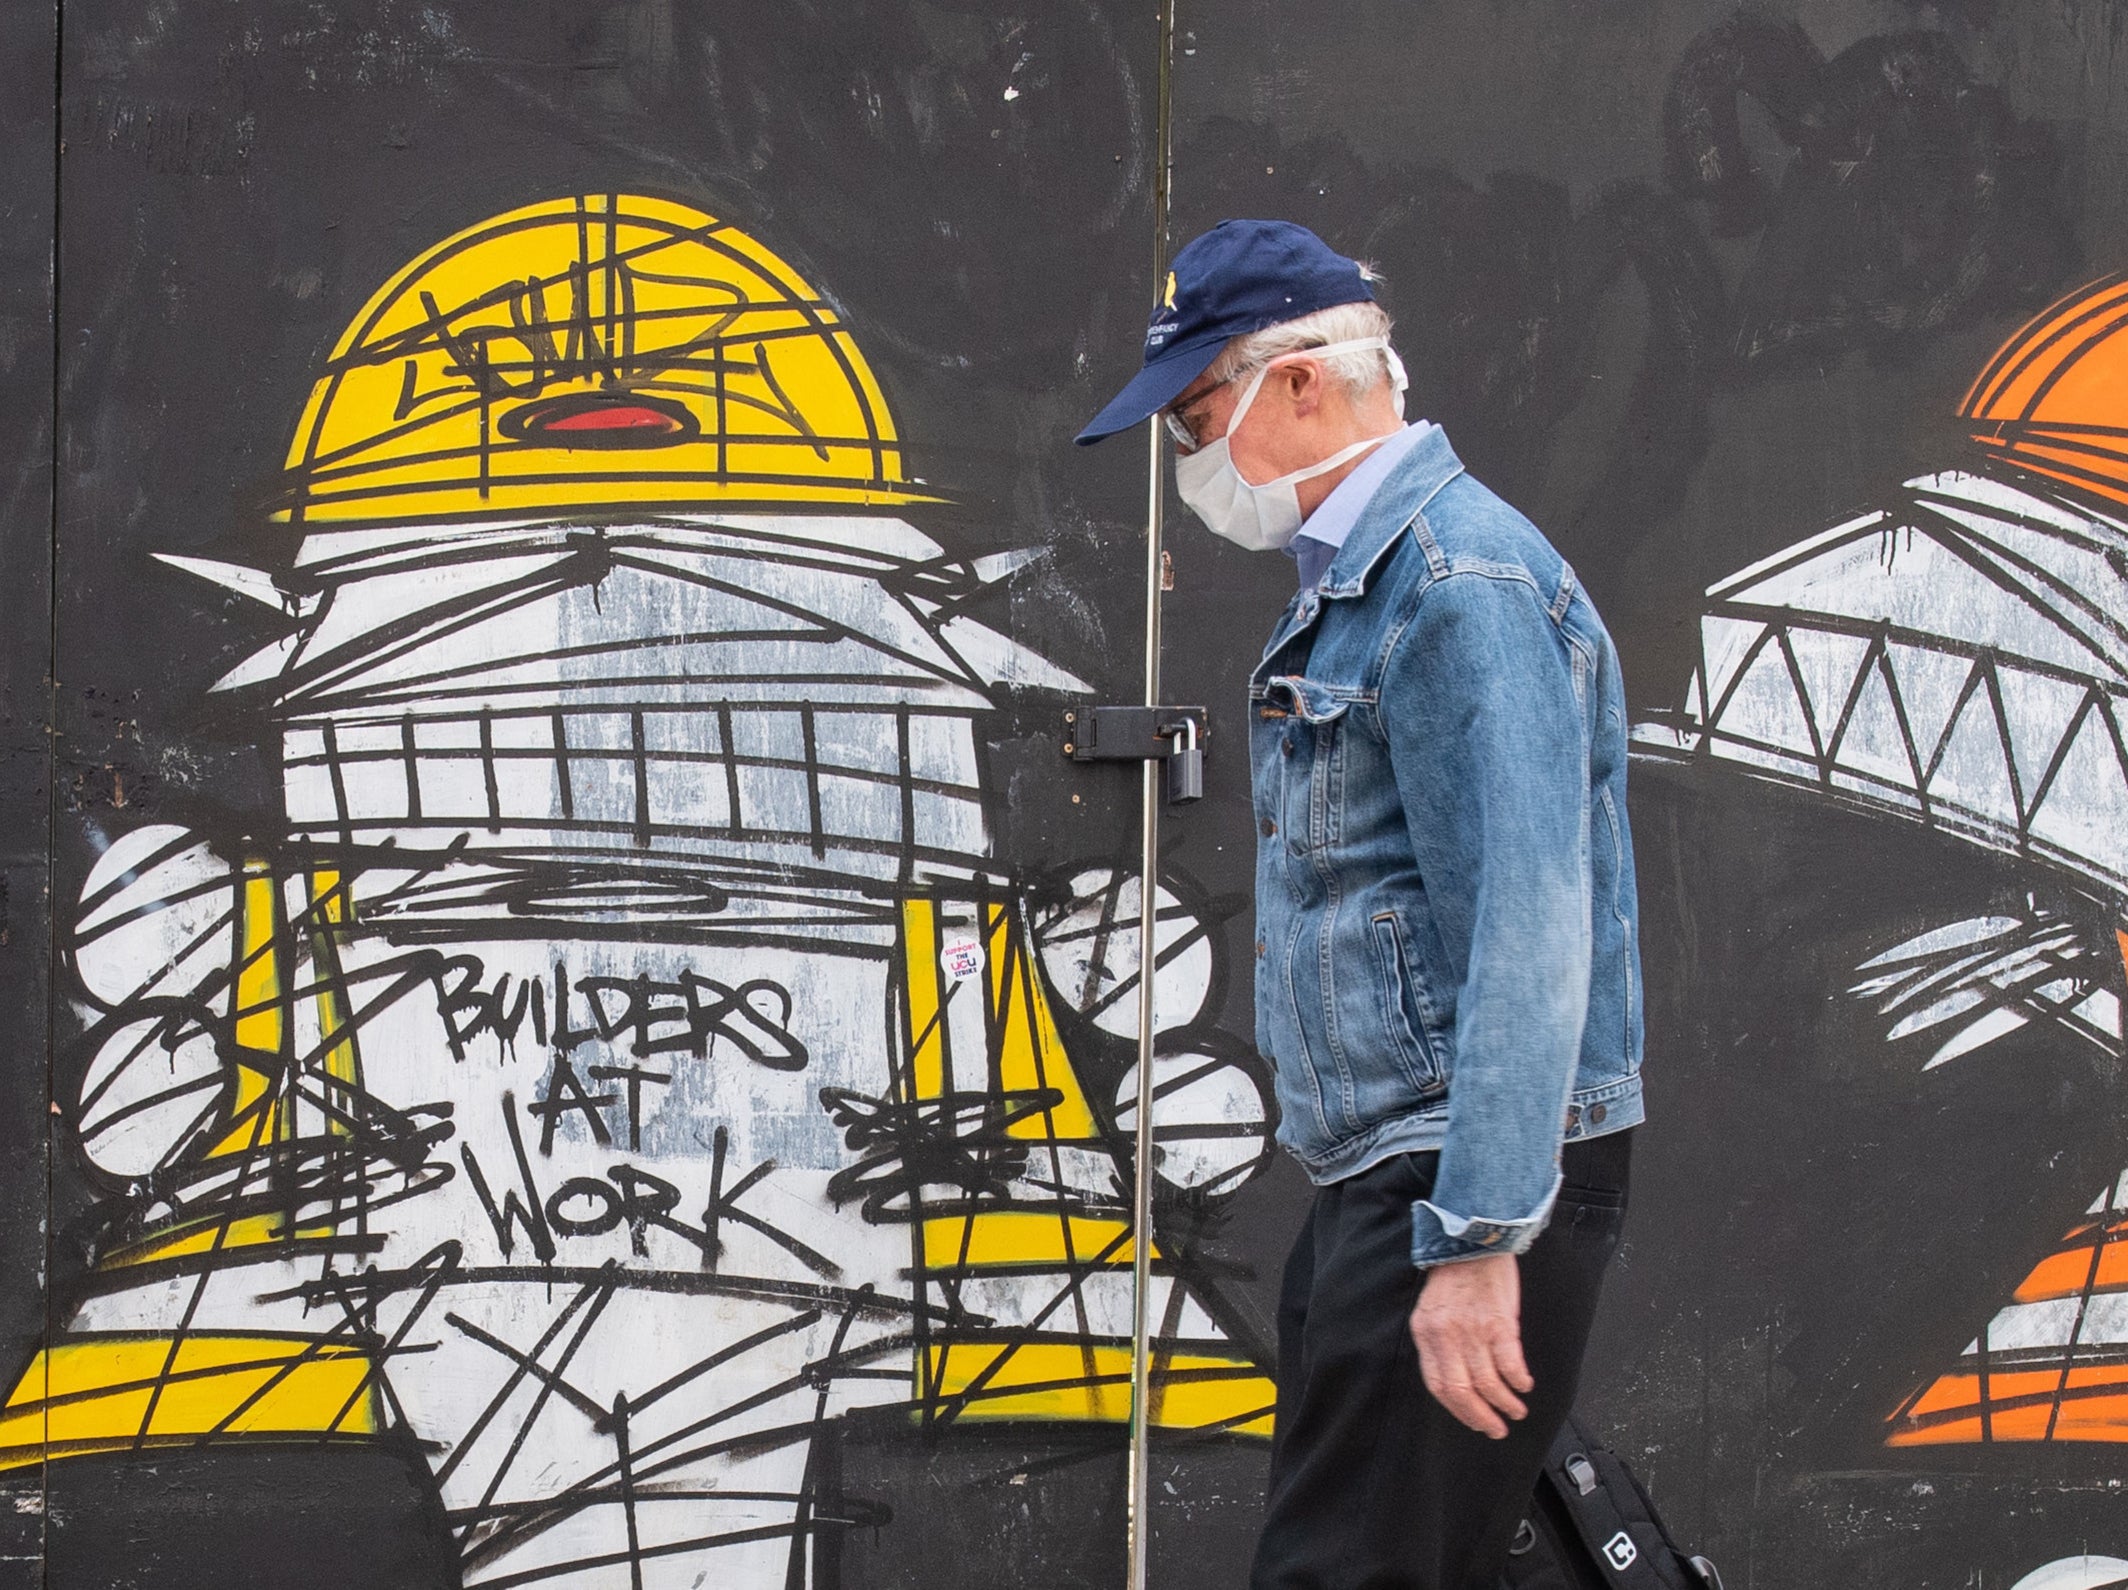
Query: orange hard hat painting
2014, 1385
1949, 656
2054, 400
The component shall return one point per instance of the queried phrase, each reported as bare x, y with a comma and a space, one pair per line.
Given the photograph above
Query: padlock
1185, 764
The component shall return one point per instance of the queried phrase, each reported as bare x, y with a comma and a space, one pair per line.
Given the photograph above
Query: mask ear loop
1398, 380
1248, 397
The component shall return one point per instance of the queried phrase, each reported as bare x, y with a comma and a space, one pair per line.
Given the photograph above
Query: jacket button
1285, 746
1573, 1116
1267, 828
1262, 949
1596, 1114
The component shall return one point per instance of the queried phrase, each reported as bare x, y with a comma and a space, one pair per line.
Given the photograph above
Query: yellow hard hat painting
634, 873
600, 353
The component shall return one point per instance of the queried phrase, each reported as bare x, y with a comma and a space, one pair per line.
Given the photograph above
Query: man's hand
1468, 1330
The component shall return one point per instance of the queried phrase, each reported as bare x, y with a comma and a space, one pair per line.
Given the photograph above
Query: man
1447, 970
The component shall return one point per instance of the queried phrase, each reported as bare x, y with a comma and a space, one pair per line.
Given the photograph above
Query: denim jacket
1447, 949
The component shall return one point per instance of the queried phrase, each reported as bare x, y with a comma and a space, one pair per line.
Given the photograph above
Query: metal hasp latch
1174, 735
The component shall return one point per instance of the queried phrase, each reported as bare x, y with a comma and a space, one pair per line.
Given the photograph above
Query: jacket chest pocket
1401, 1007
1309, 722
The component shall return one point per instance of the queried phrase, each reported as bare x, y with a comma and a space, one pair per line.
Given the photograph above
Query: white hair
1356, 371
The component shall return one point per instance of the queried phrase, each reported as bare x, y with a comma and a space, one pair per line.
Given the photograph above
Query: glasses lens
1181, 432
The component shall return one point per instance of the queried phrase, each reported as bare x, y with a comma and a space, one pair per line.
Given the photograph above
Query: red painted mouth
601, 419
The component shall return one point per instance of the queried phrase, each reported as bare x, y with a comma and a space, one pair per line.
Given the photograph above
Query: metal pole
1138, 1519
1140, 1525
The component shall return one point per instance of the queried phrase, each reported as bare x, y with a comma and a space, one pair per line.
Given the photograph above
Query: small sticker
962, 958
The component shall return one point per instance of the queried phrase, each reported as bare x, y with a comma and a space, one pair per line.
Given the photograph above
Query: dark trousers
1374, 1486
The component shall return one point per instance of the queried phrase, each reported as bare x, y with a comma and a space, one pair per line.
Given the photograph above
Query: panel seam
51, 766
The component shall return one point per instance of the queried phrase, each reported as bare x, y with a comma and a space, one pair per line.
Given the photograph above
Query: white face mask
1266, 518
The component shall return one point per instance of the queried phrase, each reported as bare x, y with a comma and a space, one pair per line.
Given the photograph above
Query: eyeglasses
1179, 428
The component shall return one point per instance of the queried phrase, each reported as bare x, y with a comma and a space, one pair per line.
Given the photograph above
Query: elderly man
1447, 970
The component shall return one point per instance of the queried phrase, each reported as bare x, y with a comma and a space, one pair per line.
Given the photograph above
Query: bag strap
1629, 1560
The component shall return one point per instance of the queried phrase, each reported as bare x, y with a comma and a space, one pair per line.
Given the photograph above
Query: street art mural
629, 1058
590, 1035
1959, 658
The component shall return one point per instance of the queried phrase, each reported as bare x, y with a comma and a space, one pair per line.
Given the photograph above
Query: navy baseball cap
1237, 278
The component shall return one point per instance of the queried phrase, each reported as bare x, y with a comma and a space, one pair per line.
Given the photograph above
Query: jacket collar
1401, 498
1430, 465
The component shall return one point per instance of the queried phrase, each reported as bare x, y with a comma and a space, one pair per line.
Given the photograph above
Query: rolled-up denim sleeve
1487, 738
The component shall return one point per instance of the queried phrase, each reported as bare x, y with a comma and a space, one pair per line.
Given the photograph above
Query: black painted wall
1685, 282
27, 188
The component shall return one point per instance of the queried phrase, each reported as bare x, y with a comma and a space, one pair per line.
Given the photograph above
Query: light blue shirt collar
1326, 528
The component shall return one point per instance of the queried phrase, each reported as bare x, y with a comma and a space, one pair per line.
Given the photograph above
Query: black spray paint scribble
958, 1140
642, 1015
588, 1206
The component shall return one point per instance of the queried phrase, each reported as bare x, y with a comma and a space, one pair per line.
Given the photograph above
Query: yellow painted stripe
258, 977
256, 1124
247, 1231
927, 1037
1055, 1381
1030, 1050
1026, 1236
327, 895
105, 1393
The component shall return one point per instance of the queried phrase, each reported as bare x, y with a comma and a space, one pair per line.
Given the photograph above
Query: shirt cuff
1441, 1236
